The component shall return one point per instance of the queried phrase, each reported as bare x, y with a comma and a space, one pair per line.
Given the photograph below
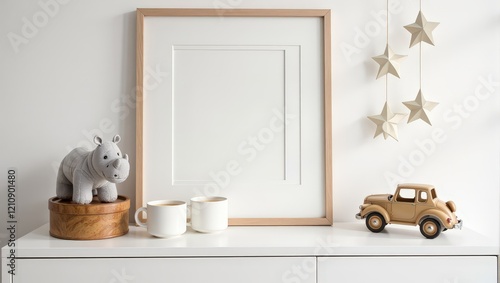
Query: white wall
74, 77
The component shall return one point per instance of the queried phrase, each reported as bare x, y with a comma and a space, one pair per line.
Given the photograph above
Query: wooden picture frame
325, 194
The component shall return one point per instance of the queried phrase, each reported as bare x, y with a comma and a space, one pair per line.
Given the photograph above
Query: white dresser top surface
341, 239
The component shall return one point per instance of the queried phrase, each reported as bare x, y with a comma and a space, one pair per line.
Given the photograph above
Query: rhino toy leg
82, 188
64, 188
107, 193
82, 196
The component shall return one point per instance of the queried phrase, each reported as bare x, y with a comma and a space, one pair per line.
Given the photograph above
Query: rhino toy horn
118, 163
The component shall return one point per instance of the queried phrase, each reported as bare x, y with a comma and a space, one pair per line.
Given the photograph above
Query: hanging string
387, 46
420, 51
420, 65
387, 20
386, 87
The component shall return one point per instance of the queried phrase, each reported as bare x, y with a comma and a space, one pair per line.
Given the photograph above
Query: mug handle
136, 216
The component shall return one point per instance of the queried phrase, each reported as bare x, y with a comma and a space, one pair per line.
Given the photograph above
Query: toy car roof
416, 186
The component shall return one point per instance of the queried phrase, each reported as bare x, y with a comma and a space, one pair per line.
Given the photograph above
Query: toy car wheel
375, 222
430, 228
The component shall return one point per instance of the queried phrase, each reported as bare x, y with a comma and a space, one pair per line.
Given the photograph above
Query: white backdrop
67, 72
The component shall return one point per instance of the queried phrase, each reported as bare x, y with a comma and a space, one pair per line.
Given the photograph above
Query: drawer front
436, 269
171, 270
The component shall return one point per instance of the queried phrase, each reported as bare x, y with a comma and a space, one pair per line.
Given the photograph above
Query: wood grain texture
167, 12
139, 110
92, 221
279, 221
328, 116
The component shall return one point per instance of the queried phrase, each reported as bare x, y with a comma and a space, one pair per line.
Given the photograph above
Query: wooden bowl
93, 221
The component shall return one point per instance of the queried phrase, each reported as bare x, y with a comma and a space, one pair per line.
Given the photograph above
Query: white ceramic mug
209, 214
165, 218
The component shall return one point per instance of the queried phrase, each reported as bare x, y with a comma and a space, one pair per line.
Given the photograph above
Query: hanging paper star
387, 122
418, 107
389, 62
421, 30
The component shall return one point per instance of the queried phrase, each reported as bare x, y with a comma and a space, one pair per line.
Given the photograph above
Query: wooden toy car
411, 204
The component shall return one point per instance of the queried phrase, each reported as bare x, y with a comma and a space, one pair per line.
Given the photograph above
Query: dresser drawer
171, 270
418, 269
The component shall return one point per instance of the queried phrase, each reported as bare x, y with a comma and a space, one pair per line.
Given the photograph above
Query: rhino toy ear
97, 140
117, 139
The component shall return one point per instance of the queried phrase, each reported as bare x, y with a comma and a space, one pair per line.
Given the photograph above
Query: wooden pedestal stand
92, 221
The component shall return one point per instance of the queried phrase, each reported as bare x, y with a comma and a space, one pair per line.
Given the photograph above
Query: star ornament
421, 30
387, 123
389, 62
418, 108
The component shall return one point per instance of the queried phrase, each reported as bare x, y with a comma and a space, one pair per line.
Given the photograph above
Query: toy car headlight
363, 206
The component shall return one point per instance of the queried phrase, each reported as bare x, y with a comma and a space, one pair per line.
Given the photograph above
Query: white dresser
346, 252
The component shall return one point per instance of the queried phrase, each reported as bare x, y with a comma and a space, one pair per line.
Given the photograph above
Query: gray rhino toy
84, 172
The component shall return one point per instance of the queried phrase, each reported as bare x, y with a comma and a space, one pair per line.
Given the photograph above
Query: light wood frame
325, 15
